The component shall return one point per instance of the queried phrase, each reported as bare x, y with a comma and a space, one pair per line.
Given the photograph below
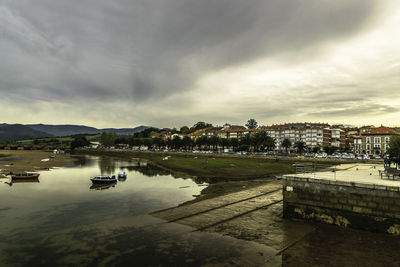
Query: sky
169, 63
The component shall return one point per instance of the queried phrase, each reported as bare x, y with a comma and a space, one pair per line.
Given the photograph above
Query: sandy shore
28, 161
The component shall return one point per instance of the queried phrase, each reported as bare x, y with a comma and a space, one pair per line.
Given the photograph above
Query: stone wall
363, 206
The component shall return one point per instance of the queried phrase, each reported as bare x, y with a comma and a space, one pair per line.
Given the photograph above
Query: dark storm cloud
146, 50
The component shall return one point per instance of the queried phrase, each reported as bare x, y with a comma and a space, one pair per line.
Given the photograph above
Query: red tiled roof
381, 131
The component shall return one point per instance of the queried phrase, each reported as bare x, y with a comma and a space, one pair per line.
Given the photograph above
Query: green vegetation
300, 146
259, 142
79, 141
212, 168
199, 125
330, 149
57, 140
13, 132
286, 144
108, 139
394, 149
251, 124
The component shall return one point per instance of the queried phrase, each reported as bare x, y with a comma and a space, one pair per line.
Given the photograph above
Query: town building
376, 141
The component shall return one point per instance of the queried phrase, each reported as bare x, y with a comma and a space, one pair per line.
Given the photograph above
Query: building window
368, 146
377, 140
368, 140
387, 139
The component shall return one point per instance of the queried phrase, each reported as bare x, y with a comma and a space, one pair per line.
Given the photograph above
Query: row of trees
260, 141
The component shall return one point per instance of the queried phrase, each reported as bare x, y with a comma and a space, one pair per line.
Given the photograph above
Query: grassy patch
212, 168
65, 139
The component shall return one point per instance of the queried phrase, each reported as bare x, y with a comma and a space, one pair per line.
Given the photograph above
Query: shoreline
225, 174
18, 161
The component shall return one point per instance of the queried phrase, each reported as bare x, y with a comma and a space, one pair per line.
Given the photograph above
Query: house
357, 145
376, 140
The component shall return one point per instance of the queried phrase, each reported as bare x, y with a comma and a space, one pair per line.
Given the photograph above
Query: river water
62, 220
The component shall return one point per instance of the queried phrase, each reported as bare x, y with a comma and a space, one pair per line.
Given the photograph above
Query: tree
251, 124
330, 149
184, 130
234, 143
187, 142
316, 149
270, 143
262, 140
300, 145
245, 142
79, 141
214, 141
202, 141
394, 149
176, 142
122, 140
146, 133
107, 139
286, 144
200, 125
157, 141
224, 142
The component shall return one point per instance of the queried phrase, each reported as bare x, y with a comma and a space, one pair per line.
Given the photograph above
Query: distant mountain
67, 130
126, 131
10, 132
64, 130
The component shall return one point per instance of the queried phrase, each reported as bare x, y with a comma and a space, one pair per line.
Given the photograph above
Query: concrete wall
363, 206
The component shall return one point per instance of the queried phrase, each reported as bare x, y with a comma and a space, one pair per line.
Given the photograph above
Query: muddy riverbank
255, 215
16, 161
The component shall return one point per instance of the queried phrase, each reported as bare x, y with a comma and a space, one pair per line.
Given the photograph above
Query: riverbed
63, 220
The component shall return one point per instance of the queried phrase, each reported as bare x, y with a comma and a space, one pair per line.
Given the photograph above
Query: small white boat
122, 174
103, 179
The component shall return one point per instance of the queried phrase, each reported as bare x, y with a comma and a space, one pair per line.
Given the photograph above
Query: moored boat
122, 174
25, 176
103, 179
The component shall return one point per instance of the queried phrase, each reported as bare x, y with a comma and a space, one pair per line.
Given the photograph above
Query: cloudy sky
166, 63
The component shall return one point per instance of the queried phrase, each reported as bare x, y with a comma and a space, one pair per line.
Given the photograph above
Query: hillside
68, 130
125, 131
64, 130
10, 132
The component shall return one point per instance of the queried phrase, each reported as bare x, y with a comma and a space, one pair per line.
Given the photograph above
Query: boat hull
23, 180
32, 176
103, 181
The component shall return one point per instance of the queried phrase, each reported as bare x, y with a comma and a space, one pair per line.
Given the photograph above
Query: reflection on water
64, 208
102, 186
107, 166
66, 220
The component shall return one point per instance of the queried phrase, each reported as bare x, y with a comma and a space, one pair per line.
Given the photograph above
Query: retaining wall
347, 204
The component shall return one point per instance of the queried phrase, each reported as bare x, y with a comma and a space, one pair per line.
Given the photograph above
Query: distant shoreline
18, 161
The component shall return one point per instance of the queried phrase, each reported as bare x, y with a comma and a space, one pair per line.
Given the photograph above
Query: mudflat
17, 161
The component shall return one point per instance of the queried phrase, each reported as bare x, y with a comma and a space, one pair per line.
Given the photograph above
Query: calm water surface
63, 220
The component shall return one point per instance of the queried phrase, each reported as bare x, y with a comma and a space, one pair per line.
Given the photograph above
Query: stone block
357, 209
392, 188
366, 210
352, 201
347, 207
362, 203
